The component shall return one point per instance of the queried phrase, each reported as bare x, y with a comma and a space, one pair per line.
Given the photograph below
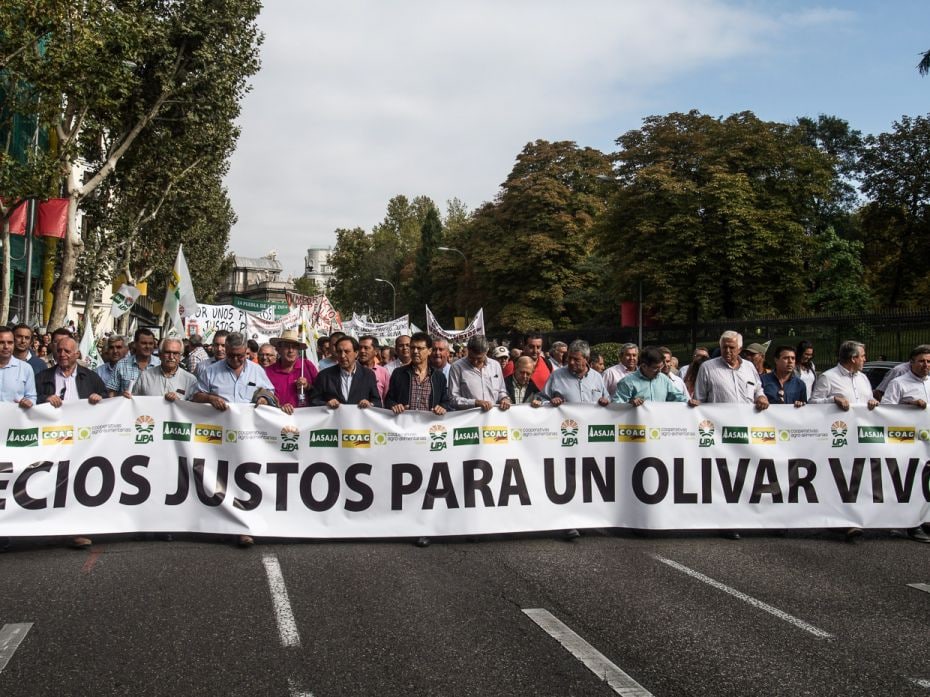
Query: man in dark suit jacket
401, 397
520, 381
347, 382
52, 383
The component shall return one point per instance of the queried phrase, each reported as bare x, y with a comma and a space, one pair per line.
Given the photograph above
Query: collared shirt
659, 389
284, 381
793, 390
382, 377
154, 383
345, 379
678, 382
808, 377
66, 385
394, 365
467, 384
612, 377
219, 379
17, 380
587, 389
907, 388
105, 370
718, 382
519, 392
197, 357
127, 371
896, 372
838, 381
420, 391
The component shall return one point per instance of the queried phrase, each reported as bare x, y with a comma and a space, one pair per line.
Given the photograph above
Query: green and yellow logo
631, 433
437, 437
902, 434
762, 435
57, 435
208, 433
494, 435
356, 438
569, 430
145, 430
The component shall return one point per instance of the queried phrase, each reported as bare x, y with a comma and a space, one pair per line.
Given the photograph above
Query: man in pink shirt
291, 374
368, 349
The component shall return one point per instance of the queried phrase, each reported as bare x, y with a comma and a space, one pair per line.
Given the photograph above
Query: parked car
875, 370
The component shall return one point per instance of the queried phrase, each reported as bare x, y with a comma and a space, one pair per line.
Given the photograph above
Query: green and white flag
123, 300
179, 297
88, 345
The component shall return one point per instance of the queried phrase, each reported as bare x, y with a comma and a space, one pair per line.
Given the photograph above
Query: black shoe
570, 535
918, 535
422, 542
730, 535
854, 535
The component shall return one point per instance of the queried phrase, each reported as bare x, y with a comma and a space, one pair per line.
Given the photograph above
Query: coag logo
871, 434
601, 433
838, 430
631, 433
290, 438
706, 434
145, 427
902, 434
57, 435
465, 436
494, 435
437, 437
208, 433
176, 430
569, 430
324, 438
358, 438
762, 435
22, 438
735, 435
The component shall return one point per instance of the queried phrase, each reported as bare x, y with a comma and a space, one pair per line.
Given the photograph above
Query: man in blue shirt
17, 379
576, 382
782, 385
648, 382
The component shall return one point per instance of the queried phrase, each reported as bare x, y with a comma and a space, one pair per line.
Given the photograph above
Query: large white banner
383, 331
147, 465
433, 328
259, 326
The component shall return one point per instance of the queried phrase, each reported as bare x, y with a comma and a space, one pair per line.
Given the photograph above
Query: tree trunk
7, 276
71, 253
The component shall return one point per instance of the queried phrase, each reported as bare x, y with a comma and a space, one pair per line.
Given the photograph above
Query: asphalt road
805, 614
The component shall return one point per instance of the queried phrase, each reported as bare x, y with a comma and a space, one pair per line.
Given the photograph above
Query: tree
423, 283
352, 286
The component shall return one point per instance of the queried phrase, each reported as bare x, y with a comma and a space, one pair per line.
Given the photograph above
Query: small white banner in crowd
437, 332
149, 465
123, 300
385, 332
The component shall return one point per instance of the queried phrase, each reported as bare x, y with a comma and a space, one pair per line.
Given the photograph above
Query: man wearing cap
347, 382
755, 354
476, 381
501, 355
291, 375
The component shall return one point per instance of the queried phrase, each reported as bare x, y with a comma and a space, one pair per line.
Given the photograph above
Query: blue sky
361, 100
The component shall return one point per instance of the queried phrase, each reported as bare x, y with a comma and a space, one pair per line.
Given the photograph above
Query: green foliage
423, 281
838, 276
610, 351
306, 286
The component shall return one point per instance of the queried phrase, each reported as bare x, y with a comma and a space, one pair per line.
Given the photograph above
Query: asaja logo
145, 430
902, 434
706, 433
324, 438
22, 438
290, 438
494, 435
465, 436
838, 430
736, 435
631, 433
176, 430
871, 434
601, 433
437, 437
57, 435
356, 438
762, 435
208, 433
569, 430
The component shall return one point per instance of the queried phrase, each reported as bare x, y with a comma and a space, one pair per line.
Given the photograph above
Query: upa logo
902, 434
871, 434
569, 430
762, 435
631, 433
176, 430
290, 438
324, 438
735, 435
602, 433
22, 438
356, 438
57, 435
208, 433
838, 430
706, 433
494, 435
145, 430
437, 437
465, 436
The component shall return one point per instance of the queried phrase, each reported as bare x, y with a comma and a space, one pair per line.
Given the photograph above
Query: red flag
17, 219
542, 372
53, 218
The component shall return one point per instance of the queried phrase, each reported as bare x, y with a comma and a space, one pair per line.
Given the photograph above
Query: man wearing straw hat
292, 374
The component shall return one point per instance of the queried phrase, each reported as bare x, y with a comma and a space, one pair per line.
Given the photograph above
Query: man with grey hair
576, 382
169, 379
113, 352
557, 354
476, 381
728, 378
627, 363
844, 384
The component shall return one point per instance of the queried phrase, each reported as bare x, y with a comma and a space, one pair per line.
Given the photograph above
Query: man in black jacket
520, 386
68, 381
417, 385
347, 382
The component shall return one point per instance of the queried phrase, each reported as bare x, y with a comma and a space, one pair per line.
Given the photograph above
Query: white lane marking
287, 627
295, 691
11, 636
920, 682
595, 661
925, 587
780, 614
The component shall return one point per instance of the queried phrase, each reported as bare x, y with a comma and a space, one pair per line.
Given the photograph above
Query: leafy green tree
306, 286
423, 283
353, 287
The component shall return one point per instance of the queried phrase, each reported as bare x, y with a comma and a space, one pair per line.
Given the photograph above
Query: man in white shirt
476, 381
628, 363
729, 378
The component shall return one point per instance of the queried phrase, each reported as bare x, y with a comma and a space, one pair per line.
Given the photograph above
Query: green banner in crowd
259, 306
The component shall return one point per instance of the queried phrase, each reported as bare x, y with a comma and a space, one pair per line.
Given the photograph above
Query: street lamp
464, 261
394, 290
